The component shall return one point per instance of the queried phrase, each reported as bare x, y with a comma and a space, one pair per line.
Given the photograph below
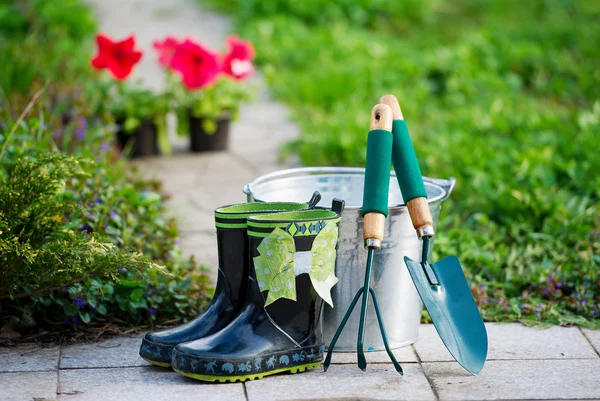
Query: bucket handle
248, 192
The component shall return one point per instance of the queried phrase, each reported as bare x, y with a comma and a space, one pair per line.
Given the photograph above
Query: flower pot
201, 141
143, 141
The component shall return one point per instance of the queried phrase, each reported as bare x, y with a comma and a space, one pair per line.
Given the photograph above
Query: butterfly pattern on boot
279, 263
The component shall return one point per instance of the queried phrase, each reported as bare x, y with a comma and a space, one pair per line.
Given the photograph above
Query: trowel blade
453, 311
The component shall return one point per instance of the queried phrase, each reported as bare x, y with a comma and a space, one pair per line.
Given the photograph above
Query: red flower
166, 50
118, 57
199, 66
238, 62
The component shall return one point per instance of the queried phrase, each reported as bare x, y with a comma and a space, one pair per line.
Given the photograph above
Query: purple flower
58, 133
79, 302
113, 215
485, 300
104, 147
550, 278
583, 302
523, 295
63, 289
81, 131
559, 285
482, 286
499, 302
66, 320
540, 305
507, 307
545, 291
522, 307
152, 311
122, 269
97, 201
76, 319
85, 228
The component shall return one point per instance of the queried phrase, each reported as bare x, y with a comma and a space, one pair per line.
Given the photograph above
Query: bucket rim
444, 185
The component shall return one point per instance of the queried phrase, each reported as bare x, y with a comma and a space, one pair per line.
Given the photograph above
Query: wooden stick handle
420, 214
418, 207
374, 222
382, 117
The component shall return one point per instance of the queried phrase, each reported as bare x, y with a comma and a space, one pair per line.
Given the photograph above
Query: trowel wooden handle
377, 175
408, 172
420, 214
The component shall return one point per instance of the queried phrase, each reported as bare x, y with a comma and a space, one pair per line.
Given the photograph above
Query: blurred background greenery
504, 95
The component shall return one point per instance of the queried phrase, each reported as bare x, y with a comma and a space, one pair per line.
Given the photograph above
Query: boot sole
232, 379
147, 354
156, 363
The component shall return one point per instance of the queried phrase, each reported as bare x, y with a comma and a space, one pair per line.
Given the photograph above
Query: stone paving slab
140, 384
28, 357
513, 341
594, 338
115, 352
20, 386
378, 382
404, 354
511, 380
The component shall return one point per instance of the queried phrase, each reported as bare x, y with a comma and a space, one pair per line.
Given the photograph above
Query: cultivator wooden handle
377, 175
408, 172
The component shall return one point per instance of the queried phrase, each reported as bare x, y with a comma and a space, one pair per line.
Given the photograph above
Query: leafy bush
101, 205
503, 95
38, 252
60, 211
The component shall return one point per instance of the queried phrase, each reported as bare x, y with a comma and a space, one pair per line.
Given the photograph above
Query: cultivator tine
383, 334
360, 353
341, 328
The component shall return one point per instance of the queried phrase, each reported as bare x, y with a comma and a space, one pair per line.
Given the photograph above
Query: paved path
523, 363
199, 182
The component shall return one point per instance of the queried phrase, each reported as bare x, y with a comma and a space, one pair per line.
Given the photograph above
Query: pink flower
199, 66
238, 61
166, 51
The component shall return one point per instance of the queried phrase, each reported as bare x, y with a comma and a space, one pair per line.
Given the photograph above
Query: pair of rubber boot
276, 267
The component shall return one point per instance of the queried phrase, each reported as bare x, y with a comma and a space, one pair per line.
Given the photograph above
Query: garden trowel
442, 285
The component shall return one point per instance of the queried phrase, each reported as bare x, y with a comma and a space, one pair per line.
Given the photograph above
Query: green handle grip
405, 163
377, 172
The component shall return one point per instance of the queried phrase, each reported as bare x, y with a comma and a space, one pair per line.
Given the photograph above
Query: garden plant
86, 244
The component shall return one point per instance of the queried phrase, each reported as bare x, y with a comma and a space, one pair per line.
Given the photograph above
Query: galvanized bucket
398, 299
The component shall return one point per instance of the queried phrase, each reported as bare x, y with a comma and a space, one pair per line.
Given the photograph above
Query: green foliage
38, 252
221, 100
100, 205
504, 95
43, 41
103, 206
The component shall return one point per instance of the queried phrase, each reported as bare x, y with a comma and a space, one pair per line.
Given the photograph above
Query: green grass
504, 95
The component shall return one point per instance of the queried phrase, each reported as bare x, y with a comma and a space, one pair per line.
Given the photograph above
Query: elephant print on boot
227, 367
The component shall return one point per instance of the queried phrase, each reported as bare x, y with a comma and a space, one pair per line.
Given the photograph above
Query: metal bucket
400, 304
